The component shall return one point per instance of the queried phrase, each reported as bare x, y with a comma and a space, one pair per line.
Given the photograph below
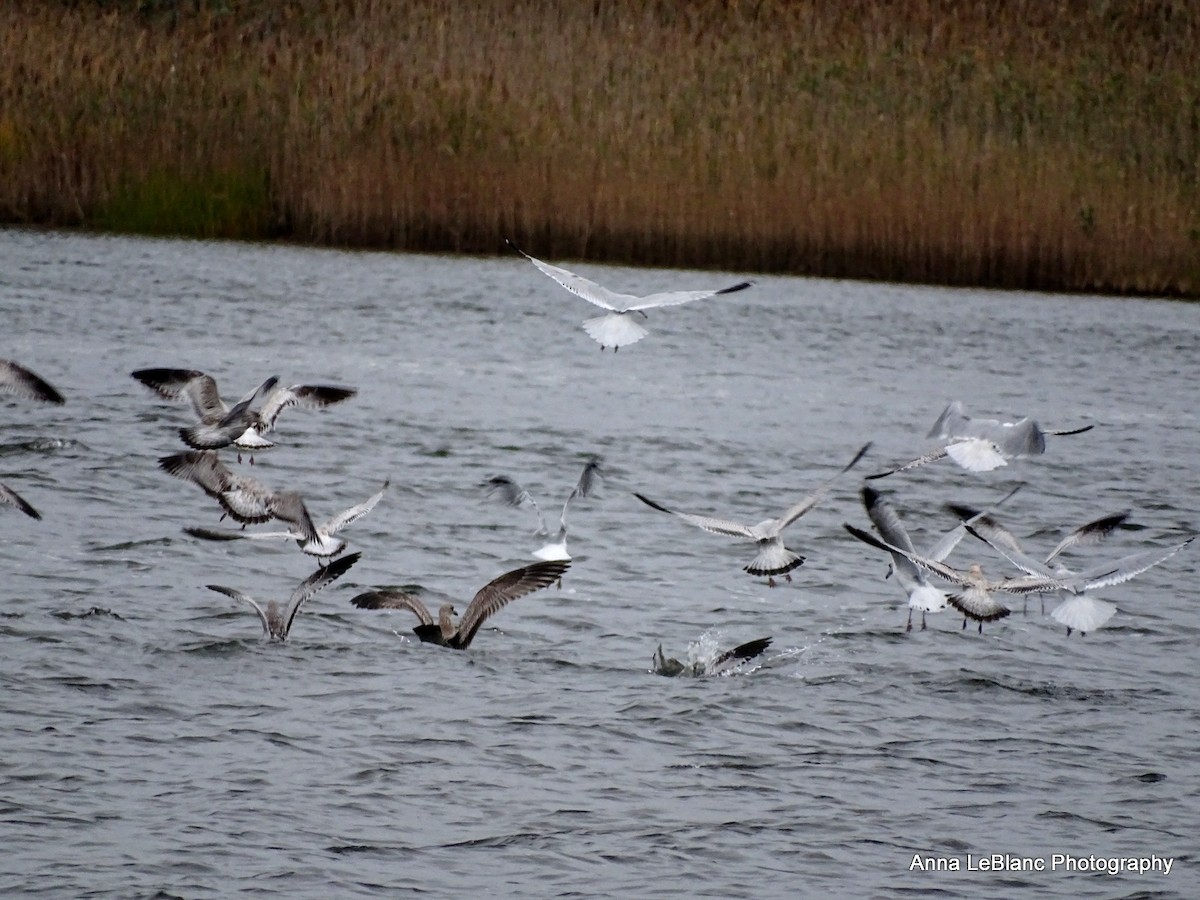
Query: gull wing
748, 650
309, 396
675, 298
197, 388
353, 514
226, 534
1127, 567
815, 497
940, 569
1092, 533
582, 287
499, 592
392, 599
313, 583
9, 497
20, 381
514, 495
289, 506
715, 526
584, 487
1001, 540
951, 423
969, 516
245, 598
931, 456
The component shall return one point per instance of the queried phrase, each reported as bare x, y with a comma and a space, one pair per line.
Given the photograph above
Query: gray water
154, 745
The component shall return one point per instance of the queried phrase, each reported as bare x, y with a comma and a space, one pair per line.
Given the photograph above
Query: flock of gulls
931, 584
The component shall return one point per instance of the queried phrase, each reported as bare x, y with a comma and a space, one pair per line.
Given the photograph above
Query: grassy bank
1032, 143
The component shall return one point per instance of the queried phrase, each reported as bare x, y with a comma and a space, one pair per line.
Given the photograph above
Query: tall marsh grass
1030, 143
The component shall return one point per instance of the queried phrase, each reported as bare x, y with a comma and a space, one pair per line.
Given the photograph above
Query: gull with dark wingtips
277, 619
773, 557
19, 381
490, 599
620, 327
980, 445
325, 547
244, 499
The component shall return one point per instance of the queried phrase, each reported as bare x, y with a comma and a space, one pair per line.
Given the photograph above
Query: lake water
153, 745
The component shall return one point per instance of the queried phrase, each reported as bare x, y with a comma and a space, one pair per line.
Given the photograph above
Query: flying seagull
921, 594
277, 620
244, 424
773, 557
672, 667
17, 380
514, 495
1078, 612
620, 327
975, 600
327, 544
243, 498
980, 445
491, 598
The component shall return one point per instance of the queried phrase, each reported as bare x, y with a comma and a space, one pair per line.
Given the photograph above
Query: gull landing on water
514, 495
491, 598
975, 600
980, 445
325, 547
773, 557
1078, 612
277, 620
921, 594
619, 327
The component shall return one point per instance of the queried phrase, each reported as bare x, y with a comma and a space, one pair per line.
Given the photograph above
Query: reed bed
1047, 144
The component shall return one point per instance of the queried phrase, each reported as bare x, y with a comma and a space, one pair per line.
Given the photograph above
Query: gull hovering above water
244, 424
514, 495
1078, 612
773, 557
276, 619
243, 498
921, 594
325, 547
490, 599
619, 327
980, 445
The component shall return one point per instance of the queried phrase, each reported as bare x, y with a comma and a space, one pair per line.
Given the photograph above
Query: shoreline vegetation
1030, 144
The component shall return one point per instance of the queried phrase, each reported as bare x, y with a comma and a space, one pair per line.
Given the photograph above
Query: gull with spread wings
276, 619
980, 445
773, 557
326, 545
513, 494
490, 599
620, 327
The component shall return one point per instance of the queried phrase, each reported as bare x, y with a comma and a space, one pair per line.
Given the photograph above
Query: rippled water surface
154, 745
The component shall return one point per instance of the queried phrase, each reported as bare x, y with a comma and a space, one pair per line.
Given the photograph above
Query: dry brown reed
1031, 143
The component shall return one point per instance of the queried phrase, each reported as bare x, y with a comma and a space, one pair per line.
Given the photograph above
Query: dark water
154, 745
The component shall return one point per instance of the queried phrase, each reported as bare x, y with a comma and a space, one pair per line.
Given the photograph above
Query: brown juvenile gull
980, 445
921, 594
975, 600
243, 498
277, 620
325, 547
773, 557
9, 497
514, 495
619, 327
17, 380
1078, 611
672, 667
491, 598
